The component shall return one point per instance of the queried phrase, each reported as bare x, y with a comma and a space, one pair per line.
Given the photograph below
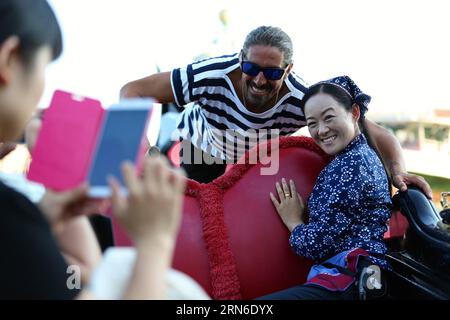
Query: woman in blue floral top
350, 203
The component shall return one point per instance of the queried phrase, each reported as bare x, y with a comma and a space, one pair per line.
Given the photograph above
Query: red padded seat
231, 239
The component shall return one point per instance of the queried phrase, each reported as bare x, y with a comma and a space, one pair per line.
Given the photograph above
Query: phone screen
120, 140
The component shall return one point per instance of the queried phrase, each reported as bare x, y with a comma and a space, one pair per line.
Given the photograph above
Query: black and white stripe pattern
217, 115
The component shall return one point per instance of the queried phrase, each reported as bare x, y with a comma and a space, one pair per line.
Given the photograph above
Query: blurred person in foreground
32, 237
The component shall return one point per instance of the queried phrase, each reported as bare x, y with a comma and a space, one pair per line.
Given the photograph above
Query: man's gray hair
270, 36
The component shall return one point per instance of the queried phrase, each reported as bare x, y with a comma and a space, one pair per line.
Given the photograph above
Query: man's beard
259, 101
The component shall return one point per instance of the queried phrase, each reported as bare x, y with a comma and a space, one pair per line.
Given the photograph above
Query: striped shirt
215, 118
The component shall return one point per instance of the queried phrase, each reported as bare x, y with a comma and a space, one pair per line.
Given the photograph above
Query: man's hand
391, 152
402, 180
290, 207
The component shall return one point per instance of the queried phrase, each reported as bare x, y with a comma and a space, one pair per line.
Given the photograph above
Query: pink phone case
67, 142
63, 151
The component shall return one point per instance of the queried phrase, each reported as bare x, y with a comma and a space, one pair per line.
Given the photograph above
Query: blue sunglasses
252, 69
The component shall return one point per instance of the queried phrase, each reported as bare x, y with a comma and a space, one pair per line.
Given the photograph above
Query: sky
397, 51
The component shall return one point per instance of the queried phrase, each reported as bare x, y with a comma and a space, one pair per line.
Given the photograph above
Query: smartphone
121, 139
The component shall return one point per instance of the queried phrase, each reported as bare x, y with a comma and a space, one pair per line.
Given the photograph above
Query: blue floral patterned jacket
348, 207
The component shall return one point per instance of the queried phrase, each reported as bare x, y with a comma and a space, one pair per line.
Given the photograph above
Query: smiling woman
332, 127
333, 117
350, 203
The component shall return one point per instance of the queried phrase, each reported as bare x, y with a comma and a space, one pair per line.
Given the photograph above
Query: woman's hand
290, 207
60, 207
151, 214
152, 210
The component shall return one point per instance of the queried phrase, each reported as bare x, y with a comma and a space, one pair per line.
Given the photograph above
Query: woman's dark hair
34, 23
346, 101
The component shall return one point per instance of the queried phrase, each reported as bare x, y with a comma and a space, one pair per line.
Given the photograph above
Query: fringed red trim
238, 170
225, 282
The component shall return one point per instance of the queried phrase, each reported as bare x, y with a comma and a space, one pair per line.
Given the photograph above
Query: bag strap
362, 262
342, 270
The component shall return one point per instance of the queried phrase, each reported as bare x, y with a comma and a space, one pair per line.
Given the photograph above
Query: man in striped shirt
234, 100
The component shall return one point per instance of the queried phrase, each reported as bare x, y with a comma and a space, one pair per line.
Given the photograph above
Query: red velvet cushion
232, 240
259, 239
